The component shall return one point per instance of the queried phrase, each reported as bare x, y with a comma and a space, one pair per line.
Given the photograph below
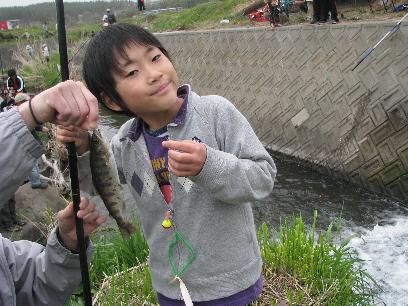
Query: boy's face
147, 83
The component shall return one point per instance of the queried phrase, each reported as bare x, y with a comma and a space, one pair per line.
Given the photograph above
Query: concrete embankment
296, 87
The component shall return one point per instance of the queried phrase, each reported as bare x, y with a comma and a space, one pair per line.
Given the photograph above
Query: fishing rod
72, 160
371, 49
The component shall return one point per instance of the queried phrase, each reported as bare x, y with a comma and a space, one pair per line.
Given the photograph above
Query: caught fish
106, 182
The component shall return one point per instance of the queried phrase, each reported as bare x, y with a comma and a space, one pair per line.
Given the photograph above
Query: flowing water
380, 224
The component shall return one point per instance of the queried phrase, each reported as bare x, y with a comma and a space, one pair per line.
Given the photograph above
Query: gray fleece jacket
30, 274
212, 210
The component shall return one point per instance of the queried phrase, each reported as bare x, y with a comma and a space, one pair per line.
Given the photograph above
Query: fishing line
371, 49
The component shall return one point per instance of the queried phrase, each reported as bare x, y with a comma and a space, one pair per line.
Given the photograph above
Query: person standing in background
29, 51
141, 5
327, 6
45, 52
273, 6
45, 29
111, 17
317, 7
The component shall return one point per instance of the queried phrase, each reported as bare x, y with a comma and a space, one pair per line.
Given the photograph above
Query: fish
106, 182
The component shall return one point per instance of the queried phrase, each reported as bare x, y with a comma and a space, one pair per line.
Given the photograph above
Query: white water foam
385, 252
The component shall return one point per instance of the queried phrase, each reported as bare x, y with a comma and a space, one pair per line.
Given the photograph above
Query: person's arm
19, 149
239, 170
48, 276
66, 103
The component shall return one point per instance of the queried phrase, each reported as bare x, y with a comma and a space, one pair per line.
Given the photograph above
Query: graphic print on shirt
161, 172
159, 161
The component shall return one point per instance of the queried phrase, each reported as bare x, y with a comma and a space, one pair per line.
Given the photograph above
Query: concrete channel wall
296, 87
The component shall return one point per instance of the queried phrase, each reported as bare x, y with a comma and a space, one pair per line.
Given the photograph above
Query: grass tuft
332, 274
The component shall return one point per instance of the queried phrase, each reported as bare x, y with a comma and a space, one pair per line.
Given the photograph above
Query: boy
194, 166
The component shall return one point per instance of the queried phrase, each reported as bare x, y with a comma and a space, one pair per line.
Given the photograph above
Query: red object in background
3, 25
260, 15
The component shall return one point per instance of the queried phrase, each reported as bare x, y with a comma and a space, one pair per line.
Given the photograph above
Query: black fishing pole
72, 160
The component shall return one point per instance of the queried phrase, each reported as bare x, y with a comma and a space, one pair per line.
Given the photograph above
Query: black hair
101, 57
11, 72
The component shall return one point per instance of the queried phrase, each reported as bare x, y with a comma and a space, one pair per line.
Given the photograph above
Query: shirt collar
136, 129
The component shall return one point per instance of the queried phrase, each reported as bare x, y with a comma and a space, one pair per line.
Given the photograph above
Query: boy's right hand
68, 103
73, 134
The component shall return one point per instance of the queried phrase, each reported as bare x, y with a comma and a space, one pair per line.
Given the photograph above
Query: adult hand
73, 134
66, 222
186, 157
68, 103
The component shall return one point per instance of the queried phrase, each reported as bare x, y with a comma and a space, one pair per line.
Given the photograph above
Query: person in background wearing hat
34, 177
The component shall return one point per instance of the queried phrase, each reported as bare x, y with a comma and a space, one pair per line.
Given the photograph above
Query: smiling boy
194, 166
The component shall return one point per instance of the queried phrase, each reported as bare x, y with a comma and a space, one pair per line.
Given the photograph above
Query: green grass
19, 35
112, 262
112, 251
332, 273
206, 15
40, 75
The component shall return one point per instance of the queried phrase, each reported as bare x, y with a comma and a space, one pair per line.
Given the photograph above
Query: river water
380, 224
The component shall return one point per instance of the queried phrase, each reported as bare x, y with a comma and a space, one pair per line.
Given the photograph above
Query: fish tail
127, 229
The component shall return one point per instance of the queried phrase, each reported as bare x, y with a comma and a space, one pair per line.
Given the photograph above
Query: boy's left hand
186, 157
